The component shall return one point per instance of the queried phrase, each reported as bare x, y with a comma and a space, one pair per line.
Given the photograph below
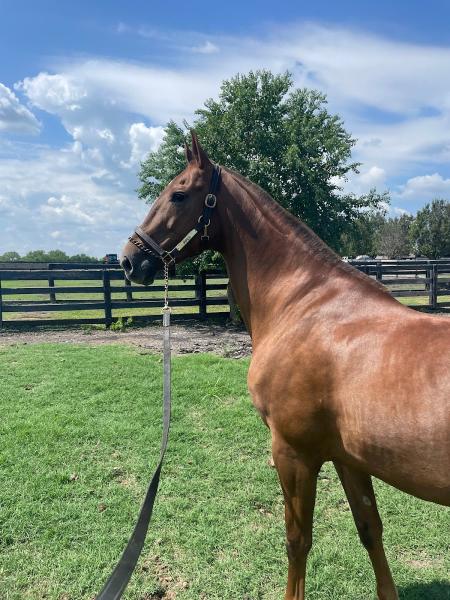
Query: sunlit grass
80, 433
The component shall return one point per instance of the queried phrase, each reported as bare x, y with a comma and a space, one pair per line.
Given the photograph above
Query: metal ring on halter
200, 220
214, 201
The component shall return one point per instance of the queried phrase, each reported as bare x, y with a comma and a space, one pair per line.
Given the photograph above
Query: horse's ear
188, 153
198, 153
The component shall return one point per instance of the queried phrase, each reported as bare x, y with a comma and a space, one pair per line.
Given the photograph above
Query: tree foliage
52, 256
393, 238
362, 236
10, 257
431, 229
283, 139
162, 166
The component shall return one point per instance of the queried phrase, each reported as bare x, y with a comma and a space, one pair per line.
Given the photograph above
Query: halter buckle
210, 201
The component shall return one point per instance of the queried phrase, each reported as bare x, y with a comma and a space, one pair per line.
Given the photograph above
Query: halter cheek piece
148, 245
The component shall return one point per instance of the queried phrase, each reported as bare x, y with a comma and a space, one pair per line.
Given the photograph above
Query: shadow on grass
437, 590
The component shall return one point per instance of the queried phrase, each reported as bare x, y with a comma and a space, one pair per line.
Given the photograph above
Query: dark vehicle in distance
110, 259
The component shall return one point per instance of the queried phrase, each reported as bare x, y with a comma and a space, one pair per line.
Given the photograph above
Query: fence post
200, 293
107, 297
379, 273
51, 284
433, 286
128, 291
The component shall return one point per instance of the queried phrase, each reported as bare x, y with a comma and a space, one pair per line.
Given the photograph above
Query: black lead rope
119, 578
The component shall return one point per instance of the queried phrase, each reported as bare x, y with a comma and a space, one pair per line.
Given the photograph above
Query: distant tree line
371, 233
52, 256
427, 234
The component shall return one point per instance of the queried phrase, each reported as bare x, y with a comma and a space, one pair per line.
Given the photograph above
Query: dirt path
222, 339
225, 340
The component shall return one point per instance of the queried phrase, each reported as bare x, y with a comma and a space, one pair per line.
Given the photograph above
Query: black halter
148, 245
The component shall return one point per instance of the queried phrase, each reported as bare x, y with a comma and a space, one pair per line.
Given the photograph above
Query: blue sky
85, 89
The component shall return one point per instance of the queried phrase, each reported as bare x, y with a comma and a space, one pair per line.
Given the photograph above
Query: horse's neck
269, 254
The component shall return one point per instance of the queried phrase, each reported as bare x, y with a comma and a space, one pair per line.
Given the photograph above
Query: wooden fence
191, 297
112, 292
411, 279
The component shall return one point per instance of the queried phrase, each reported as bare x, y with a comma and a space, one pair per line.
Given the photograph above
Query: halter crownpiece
148, 245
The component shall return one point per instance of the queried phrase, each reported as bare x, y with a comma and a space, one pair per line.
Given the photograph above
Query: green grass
80, 434
414, 300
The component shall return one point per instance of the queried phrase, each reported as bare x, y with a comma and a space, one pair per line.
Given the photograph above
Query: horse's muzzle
139, 267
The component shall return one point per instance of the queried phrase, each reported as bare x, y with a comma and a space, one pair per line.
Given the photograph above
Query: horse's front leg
298, 478
361, 497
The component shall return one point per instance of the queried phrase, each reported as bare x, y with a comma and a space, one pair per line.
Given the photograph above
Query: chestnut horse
340, 370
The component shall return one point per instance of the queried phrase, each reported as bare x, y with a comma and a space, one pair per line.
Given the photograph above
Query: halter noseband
148, 245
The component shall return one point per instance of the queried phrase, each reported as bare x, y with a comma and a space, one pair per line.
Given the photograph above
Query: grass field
80, 433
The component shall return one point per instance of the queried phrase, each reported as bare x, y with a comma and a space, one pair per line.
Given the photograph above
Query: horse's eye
178, 197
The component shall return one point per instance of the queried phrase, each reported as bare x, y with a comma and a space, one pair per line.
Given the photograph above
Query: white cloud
371, 70
427, 186
115, 109
374, 177
66, 210
143, 140
53, 92
367, 179
206, 48
56, 191
401, 147
106, 134
397, 211
14, 117
355, 69
157, 93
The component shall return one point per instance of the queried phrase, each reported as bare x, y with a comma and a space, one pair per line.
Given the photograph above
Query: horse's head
180, 222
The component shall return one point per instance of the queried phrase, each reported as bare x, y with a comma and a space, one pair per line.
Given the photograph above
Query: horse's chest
286, 397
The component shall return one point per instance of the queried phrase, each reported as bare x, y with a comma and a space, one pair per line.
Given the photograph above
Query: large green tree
430, 231
280, 137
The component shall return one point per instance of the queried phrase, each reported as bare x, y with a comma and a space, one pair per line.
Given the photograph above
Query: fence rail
111, 296
107, 293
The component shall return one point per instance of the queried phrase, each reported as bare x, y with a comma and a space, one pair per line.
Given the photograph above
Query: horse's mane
286, 221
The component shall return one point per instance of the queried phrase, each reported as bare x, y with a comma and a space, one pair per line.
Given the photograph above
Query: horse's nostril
126, 265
